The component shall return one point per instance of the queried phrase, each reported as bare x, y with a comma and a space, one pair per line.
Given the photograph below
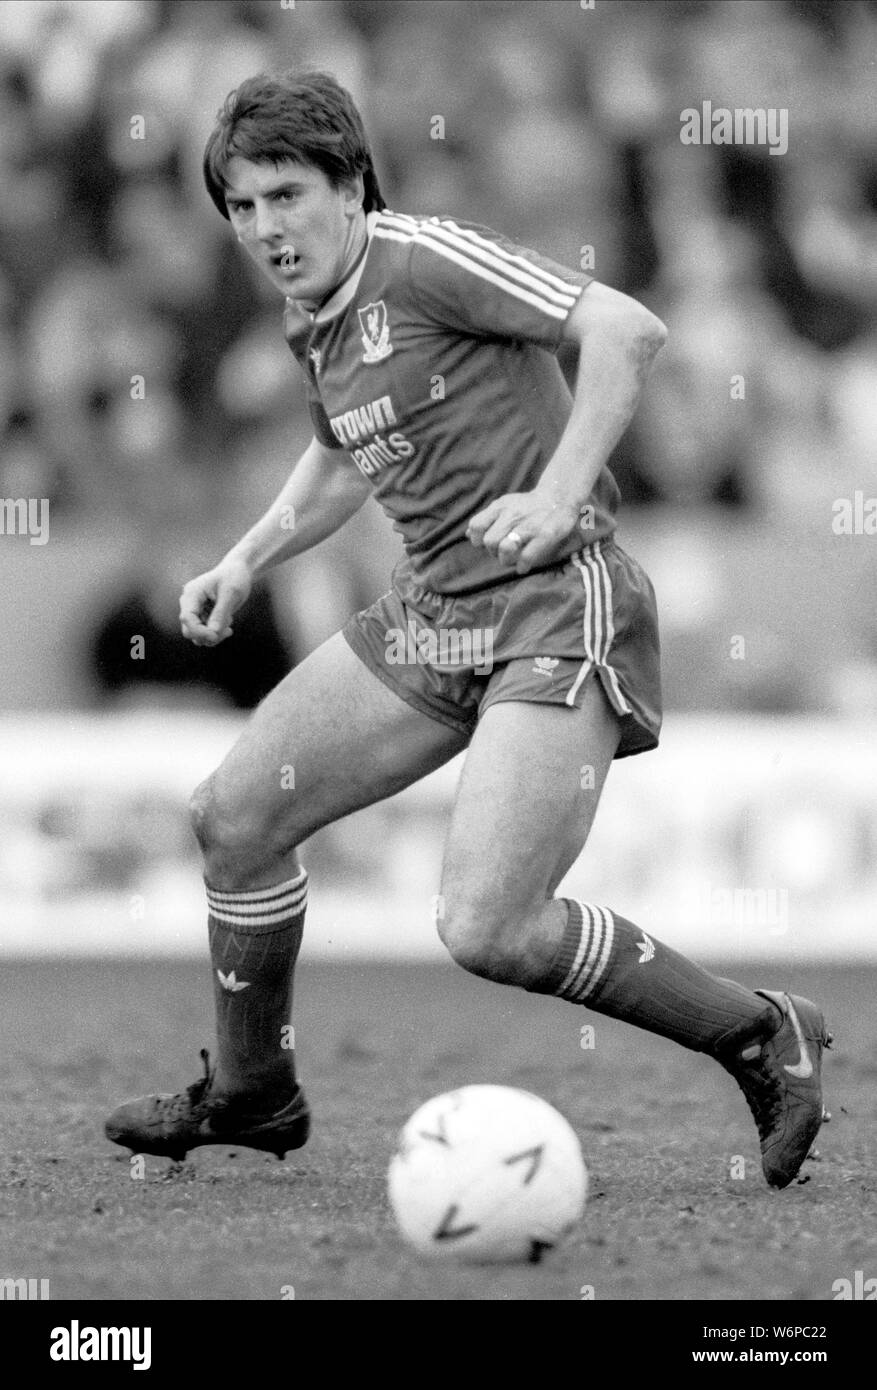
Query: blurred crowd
561, 129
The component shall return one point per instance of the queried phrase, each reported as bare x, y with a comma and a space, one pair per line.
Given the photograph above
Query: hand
540, 523
208, 603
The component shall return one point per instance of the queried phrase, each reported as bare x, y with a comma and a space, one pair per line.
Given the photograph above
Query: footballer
427, 346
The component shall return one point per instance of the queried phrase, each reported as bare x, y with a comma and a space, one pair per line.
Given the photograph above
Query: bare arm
322, 493
617, 339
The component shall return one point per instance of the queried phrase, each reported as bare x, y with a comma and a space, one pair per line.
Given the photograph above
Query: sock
616, 968
254, 943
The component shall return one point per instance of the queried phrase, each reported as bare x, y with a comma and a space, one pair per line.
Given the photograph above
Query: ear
353, 190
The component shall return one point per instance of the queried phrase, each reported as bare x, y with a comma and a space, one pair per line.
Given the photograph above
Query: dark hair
304, 116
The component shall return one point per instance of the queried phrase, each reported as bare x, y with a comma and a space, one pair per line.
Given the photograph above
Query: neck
354, 252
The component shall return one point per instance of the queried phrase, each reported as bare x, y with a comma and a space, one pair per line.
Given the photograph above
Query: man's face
293, 224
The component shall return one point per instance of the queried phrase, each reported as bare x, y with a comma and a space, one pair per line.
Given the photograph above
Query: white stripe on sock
257, 894
268, 919
595, 974
592, 935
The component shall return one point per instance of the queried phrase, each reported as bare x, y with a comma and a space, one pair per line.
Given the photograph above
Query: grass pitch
662, 1130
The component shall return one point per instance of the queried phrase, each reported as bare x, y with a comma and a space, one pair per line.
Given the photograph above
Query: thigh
329, 739
526, 801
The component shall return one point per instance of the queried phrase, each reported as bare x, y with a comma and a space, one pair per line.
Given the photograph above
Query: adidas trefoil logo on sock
231, 982
646, 947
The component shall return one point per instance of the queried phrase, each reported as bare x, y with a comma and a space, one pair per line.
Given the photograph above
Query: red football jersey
438, 378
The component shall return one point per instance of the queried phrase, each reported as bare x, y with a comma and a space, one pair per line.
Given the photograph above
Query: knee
205, 816
231, 843
478, 942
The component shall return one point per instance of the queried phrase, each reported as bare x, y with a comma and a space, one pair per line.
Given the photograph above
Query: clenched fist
208, 603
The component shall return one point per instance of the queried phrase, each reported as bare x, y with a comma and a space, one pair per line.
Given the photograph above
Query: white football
487, 1174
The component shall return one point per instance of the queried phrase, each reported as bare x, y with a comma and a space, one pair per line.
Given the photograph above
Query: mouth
284, 262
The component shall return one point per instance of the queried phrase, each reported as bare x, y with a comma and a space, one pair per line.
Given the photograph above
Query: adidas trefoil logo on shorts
647, 949
544, 665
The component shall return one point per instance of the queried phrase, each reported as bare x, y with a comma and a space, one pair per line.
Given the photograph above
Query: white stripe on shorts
597, 584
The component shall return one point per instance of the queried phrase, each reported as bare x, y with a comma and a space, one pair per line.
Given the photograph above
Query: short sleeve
470, 278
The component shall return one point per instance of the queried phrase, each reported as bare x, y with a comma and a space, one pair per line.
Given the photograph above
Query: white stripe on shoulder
488, 249
385, 234
510, 267
397, 219
537, 301
550, 279
510, 272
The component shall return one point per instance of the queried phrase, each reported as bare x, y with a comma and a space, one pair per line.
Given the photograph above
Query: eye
284, 195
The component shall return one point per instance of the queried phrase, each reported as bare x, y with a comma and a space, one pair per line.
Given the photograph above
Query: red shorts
537, 637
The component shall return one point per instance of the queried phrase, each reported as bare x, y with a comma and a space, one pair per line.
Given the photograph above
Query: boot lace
762, 1091
186, 1102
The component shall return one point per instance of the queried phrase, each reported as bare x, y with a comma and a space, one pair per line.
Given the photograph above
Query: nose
266, 223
